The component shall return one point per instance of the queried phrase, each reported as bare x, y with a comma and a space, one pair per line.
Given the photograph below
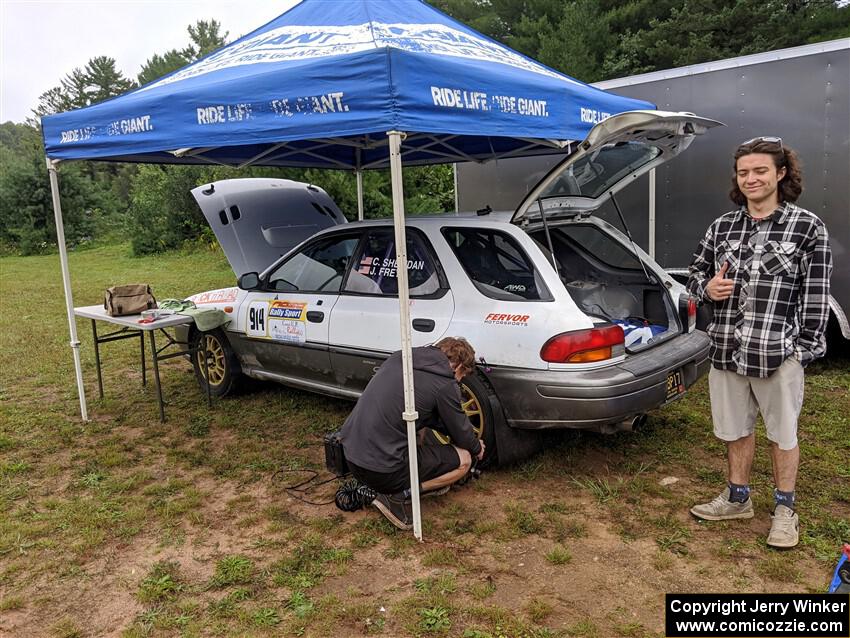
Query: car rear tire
224, 370
475, 401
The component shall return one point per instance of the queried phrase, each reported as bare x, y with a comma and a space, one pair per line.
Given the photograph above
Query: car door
286, 322
365, 326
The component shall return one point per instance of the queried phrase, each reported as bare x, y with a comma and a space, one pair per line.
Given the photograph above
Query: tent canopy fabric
322, 84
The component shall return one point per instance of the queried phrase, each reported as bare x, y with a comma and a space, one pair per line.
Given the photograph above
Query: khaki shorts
736, 401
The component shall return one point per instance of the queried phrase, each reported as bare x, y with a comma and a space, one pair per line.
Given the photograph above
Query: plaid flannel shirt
780, 303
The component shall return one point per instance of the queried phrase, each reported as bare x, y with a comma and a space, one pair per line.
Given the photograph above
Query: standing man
766, 267
374, 436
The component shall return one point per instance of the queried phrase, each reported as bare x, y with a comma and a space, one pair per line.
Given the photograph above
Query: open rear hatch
607, 276
258, 220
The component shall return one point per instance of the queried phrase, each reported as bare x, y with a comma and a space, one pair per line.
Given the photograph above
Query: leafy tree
98, 81
158, 65
26, 208
205, 38
104, 80
599, 39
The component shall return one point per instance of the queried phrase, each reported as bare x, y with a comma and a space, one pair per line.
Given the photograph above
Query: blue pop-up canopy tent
323, 83
338, 84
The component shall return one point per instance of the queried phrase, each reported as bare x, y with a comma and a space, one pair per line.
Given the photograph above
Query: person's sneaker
395, 510
784, 528
438, 492
722, 509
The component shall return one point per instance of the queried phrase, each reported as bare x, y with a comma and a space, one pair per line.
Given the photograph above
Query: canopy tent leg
66, 282
359, 174
409, 415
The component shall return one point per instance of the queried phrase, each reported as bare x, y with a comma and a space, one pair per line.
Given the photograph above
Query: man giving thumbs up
766, 267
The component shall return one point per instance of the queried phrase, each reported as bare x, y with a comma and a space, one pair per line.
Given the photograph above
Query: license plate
675, 385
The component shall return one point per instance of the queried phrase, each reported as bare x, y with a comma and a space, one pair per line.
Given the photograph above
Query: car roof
502, 216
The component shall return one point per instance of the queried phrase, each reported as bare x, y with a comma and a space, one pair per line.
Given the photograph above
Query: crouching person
374, 435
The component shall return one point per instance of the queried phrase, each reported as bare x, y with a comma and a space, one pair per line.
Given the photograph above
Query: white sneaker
784, 528
722, 509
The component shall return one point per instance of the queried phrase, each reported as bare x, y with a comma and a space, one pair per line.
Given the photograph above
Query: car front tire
223, 368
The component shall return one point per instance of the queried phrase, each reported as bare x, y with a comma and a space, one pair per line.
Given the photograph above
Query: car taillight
688, 312
585, 346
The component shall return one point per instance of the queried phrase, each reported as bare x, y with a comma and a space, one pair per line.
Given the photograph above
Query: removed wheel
222, 366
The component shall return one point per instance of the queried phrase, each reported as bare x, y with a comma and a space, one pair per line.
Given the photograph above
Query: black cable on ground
353, 495
300, 490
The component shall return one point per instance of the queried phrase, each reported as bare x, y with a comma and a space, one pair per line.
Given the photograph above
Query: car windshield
596, 172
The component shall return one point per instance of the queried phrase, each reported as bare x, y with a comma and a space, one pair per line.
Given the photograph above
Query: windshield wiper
629, 235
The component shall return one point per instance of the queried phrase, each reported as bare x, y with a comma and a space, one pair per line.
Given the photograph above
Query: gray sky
43, 40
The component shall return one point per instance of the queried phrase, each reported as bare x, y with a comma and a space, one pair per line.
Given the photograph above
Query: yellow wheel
222, 369
472, 408
475, 401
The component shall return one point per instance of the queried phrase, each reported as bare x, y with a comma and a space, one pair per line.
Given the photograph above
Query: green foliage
308, 564
434, 619
162, 213
26, 206
161, 584
205, 38
559, 555
97, 81
300, 604
233, 570
158, 65
599, 39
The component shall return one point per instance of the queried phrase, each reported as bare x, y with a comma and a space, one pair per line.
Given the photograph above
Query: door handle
423, 325
315, 316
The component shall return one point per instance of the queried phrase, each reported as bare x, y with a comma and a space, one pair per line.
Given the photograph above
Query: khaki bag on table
129, 299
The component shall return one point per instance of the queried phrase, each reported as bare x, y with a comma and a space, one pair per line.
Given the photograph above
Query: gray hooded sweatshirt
374, 435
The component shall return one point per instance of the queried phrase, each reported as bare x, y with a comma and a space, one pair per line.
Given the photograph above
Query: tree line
591, 40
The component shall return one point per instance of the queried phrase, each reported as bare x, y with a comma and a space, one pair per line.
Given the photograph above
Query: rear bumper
596, 399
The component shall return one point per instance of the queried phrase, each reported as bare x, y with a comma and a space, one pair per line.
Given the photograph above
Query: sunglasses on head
764, 138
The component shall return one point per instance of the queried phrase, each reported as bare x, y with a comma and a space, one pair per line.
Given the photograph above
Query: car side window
496, 264
318, 267
373, 271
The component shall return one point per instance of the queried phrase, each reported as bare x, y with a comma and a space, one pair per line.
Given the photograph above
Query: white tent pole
409, 415
359, 174
454, 176
66, 281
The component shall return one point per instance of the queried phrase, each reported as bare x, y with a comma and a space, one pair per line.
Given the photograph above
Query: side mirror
249, 281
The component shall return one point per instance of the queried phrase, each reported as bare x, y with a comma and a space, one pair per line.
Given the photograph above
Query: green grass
559, 555
189, 523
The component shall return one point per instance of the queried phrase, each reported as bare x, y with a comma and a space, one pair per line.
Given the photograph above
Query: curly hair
459, 352
790, 186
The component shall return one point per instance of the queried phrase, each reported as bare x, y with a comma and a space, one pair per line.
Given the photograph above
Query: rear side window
496, 264
599, 244
374, 272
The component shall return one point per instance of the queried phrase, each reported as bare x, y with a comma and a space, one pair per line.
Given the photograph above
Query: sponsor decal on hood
224, 295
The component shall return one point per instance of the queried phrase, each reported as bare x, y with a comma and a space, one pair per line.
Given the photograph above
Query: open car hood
616, 152
257, 220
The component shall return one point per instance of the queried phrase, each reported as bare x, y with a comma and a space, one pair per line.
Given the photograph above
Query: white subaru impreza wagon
575, 326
